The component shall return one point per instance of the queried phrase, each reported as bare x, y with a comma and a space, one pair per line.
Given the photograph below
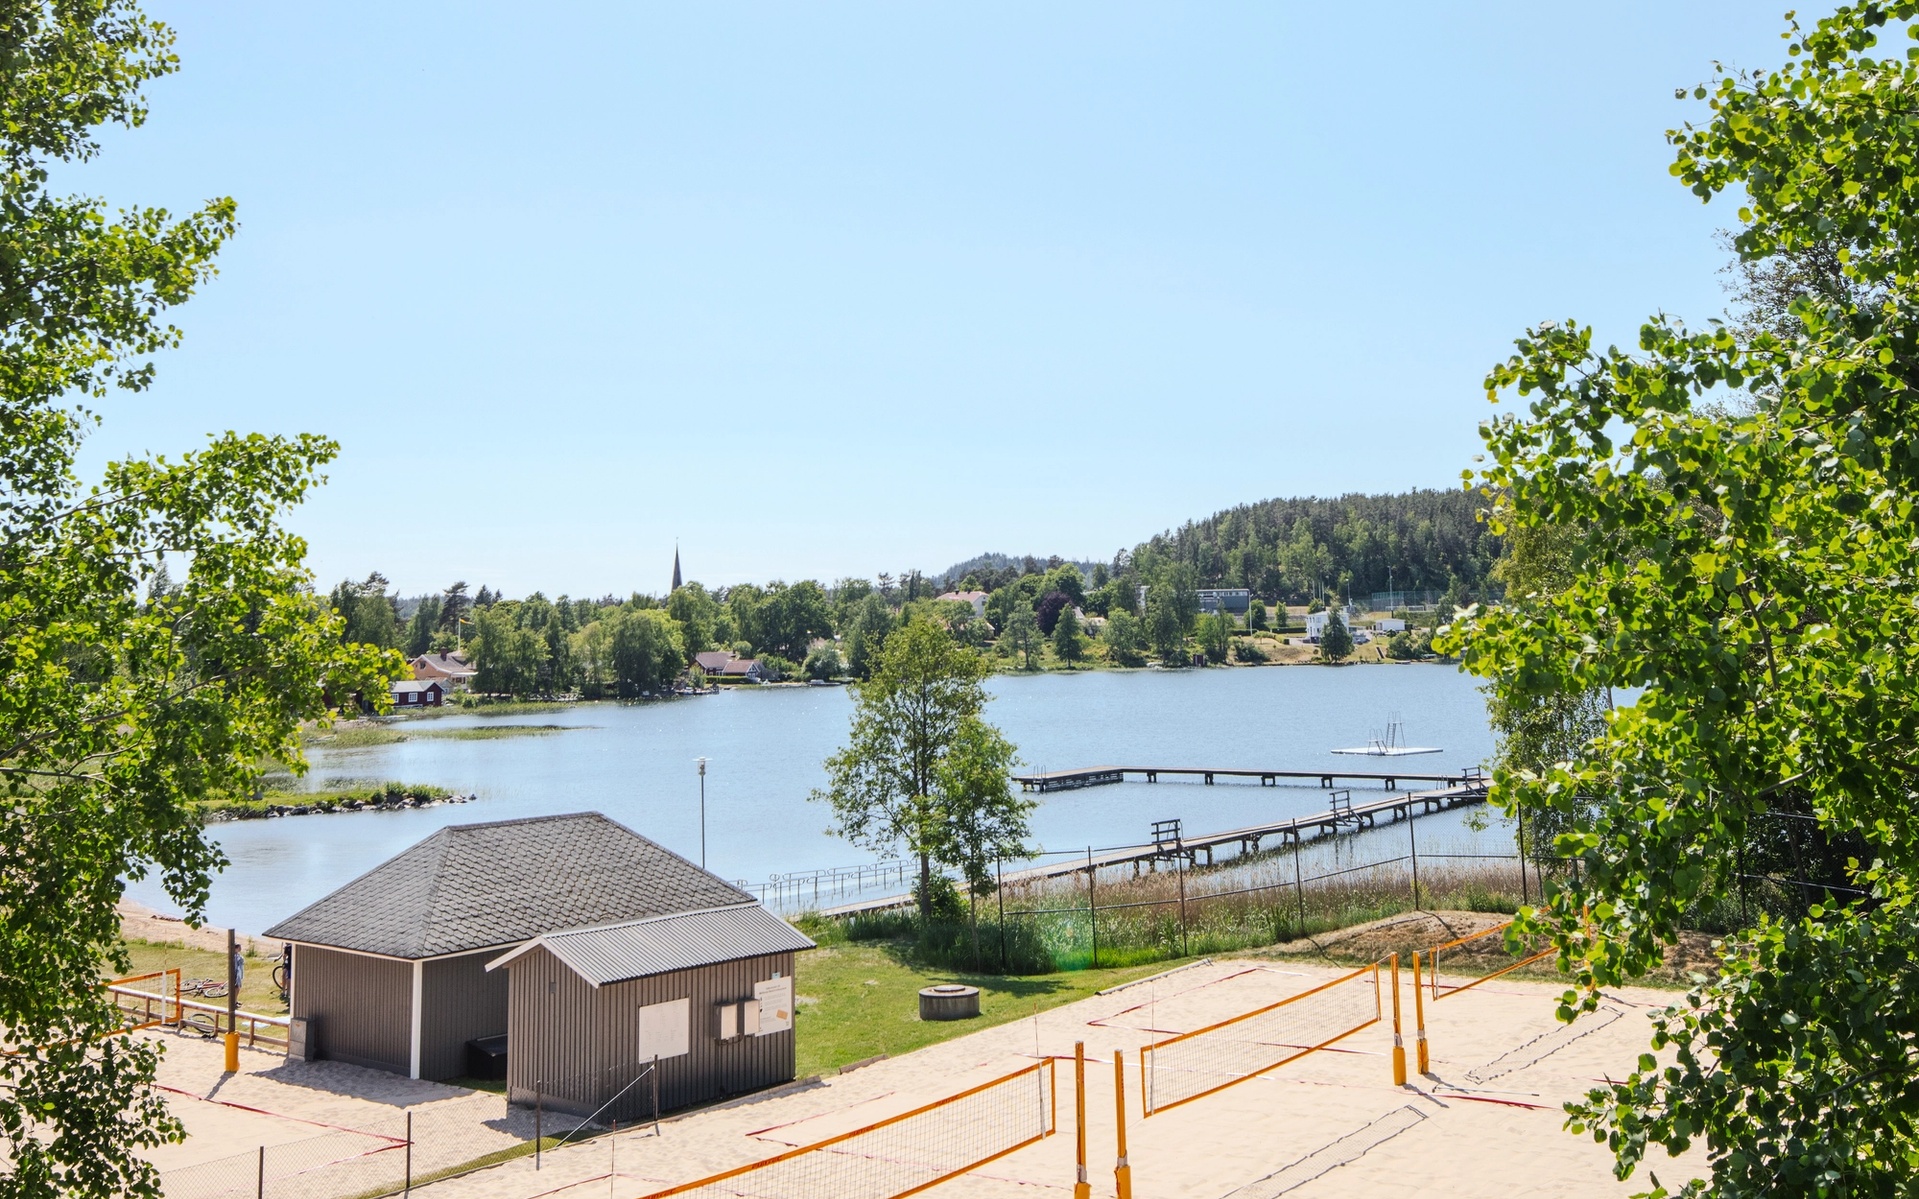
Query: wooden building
709, 995
389, 971
418, 693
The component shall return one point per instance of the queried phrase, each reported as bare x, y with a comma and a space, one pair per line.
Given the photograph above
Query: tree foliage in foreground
922, 771
1746, 552
118, 713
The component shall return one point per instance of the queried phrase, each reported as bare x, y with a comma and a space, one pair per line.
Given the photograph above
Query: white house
1316, 621
975, 598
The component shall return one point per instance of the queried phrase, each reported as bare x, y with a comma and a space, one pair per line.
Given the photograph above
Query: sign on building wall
666, 1029
775, 997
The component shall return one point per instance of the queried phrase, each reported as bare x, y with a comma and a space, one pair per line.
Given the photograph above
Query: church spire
676, 569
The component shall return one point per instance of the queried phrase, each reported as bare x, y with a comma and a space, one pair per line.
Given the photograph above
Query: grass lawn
257, 993
859, 999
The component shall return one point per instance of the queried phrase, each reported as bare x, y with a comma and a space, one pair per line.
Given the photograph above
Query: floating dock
1101, 776
1342, 816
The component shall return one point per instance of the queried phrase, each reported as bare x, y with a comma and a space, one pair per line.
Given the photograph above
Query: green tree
368, 614
1022, 639
922, 771
421, 628
699, 617
508, 659
646, 650
454, 606
870, 625
1164, 628
123, 711
1746, 540
1069, 644
1216, 636
1256, 615
1335, 640
792, 616
824, 663
1125, 642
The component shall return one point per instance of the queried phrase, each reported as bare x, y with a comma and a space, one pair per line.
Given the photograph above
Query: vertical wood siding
359, 1008
580, 1046
460, 1002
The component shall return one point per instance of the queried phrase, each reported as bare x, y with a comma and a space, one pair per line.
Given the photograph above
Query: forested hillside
1297, 550
1142, 605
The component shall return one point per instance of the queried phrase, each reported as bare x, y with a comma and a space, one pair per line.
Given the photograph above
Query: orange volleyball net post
1123, 1170
1424, 1062
1399, 1041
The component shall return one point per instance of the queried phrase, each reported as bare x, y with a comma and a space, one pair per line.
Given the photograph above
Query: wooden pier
1342, 816
1101, 776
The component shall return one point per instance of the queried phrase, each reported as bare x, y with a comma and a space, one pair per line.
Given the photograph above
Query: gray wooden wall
359, 1008
460, 1002
578, 1046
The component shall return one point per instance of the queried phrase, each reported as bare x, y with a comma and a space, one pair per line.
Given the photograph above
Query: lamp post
702, 762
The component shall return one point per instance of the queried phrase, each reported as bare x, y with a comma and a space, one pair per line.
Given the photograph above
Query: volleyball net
904, 1154
1183, 1068
1456, 948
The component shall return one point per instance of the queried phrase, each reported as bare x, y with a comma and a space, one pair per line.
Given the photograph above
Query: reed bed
1177, 910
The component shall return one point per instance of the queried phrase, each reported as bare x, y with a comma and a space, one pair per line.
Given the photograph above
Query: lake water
635, 762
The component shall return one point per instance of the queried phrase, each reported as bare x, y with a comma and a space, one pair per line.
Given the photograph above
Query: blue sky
824, 290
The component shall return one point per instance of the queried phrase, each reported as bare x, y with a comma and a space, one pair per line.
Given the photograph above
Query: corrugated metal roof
614, 953
474, 886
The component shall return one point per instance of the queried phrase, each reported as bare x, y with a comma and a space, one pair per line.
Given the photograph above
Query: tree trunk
926, 889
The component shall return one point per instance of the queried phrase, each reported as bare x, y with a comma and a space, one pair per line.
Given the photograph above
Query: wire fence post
1413, 837
1524, 897
1299, 887
1182, 904
1092, 914
656, 1094
539, 1111
999, 870
408, 1187
260, 1179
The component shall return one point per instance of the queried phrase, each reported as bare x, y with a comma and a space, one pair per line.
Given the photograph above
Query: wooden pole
1182, 905
1413, 838
1419, 1021
1123, 1172
260, 1178
408, 1188
1399, 1043
1081, 1188
539, 1111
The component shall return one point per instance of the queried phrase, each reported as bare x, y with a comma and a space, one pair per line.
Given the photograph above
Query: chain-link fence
417, 1146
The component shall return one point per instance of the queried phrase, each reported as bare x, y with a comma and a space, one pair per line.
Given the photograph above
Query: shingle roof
473, 886
404, 685
637, 948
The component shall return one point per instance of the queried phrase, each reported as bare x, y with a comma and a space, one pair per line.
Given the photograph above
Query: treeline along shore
1226, 589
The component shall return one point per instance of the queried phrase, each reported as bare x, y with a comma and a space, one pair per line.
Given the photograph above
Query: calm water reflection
636, 763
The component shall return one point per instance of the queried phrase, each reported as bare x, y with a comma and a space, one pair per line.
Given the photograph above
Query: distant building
1316, 621
747, 670
975, 598
676, 571
1236, 600
1391, 624
713, 661
452, 669
418, 693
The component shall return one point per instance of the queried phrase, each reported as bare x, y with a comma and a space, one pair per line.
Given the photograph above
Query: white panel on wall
666, 1029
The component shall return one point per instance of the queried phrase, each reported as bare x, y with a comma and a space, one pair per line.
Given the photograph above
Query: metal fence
421, 1145
807, 889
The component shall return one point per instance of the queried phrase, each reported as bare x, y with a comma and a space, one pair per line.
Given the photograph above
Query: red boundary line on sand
1101, 1022
1538, 1107
260, 1111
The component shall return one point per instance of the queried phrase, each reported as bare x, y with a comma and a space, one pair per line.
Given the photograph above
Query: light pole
702, 762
